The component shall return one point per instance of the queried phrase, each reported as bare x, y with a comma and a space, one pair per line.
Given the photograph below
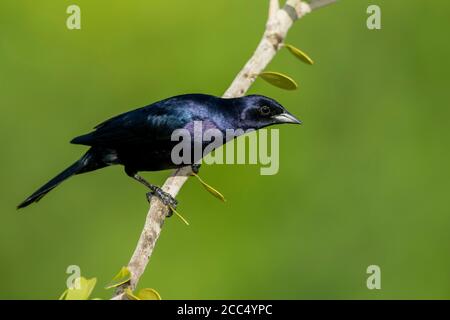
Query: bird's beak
286, 118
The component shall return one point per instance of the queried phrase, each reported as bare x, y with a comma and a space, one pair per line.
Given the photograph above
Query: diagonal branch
277, 26
274, 6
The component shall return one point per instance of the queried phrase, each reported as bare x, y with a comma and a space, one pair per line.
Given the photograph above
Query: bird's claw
165, 198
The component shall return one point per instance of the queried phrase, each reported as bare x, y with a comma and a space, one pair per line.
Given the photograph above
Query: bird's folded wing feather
140, 126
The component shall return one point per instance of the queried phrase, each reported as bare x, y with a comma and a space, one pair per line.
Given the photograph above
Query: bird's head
257, 112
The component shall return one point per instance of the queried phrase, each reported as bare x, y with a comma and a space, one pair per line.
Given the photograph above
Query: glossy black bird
140, 140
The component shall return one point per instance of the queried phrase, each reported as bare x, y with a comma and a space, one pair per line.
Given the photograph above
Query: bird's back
153, 122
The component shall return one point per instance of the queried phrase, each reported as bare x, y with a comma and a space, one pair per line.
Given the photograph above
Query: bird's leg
165, 197
196, 168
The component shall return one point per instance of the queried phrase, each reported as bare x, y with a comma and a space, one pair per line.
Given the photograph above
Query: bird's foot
165, 198
195, 168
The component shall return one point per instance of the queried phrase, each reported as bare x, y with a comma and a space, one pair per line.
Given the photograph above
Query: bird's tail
86, 163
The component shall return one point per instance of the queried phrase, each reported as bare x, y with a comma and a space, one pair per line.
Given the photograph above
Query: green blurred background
364, 181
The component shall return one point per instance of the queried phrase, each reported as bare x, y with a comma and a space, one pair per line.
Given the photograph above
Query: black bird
140, 139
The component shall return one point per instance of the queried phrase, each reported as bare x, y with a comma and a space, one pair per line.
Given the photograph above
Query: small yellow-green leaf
148, 294
81, 291
131, 295
64, 295
179, 215
122, 277
279, 80
210, 189
299, 54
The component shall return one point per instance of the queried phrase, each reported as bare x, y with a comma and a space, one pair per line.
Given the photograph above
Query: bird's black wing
140, 126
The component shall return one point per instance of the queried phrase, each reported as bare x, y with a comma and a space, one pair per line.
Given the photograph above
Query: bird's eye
264, 110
